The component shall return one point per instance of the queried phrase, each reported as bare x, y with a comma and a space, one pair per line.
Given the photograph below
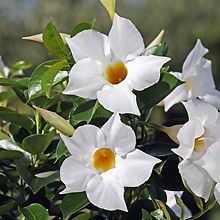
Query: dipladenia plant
77, 140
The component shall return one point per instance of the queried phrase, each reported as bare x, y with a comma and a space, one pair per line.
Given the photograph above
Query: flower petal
89, 44
105, 192
84, 140
208, 114
135, 168
118, 135
217, 192
193, 58
177, 95
85, 79
118, 98
210, 161
125, 40
212, 97
197, 178
75, 174
144, 71
186, 136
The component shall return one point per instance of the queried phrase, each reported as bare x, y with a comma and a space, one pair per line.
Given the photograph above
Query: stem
37, 121
210, 204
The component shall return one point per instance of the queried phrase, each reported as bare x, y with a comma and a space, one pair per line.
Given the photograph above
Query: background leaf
34, 211
72, 203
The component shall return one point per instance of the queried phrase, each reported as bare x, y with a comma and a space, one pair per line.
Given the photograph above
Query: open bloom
197, 75
197, 136
109, 67
103, 162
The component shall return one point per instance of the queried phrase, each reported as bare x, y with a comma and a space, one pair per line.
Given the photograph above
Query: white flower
195, 137
103, 162
210, 162
4, 70
110, 67
197, 75
171, 202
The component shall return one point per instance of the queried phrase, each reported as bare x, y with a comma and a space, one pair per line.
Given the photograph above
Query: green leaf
54, 42
86, 111
9, 115
35, 88
10, 154
6, 95
158, 214
48, 78
145, 215
33, 182
3, 136
72, 203
6, 208
61, 150
151, 96
12, 83
56, 121
34, 211
21, 65
159, 167
158, 50
38, 143
82, 27
83, 216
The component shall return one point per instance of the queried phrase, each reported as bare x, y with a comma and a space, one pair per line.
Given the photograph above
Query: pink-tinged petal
118, 135
90, 44
75, 174
125, 40
118, 98
196, 178
186, 136
144, 71
135, 168
178, 95
85, 79
84, 140
193, 59
104, 191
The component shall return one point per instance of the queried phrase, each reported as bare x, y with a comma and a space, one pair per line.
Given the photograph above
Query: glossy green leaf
54, 42
158, 50
82, 27
83, 216
12, 83
72, 203
33, 182
38, 143
61, 150
159, 167
6, 208
9, 115
56, 121
151, 96
10, 154
158, 214
86, 111
48, 78
35, 87
145, 215
6, 95
34, 211
21, 65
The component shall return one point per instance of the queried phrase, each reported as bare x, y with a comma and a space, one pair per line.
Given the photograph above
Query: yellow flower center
187, 85
117, 72
199, 143
103, 159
